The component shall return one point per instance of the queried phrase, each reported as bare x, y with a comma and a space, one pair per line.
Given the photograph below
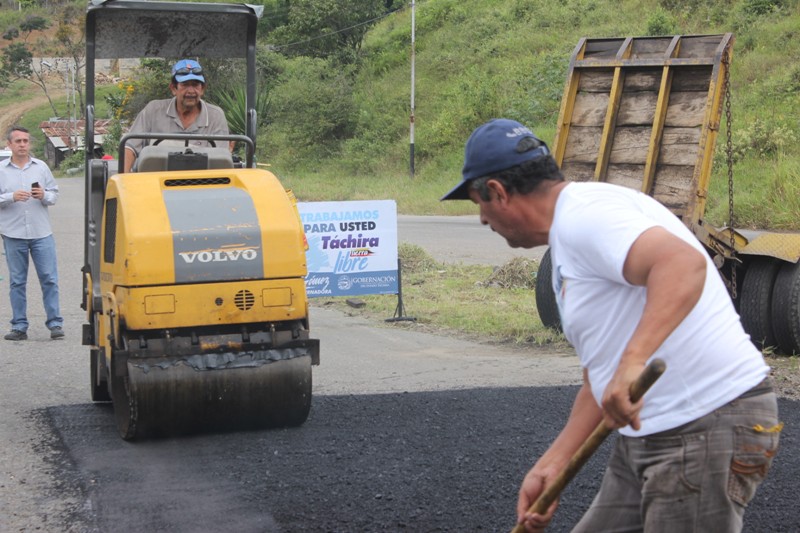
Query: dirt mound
519, 273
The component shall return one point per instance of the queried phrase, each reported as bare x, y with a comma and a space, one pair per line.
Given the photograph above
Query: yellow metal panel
281, 296
143, 242
144, 246
658, 129
658, 120
157, 304
711, 123
609, 126
567, 105
784, 246
215, 303
719, 239
282, 231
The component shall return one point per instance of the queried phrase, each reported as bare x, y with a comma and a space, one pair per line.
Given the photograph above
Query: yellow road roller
194, 271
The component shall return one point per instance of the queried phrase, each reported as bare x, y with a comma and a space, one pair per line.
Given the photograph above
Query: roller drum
175, 397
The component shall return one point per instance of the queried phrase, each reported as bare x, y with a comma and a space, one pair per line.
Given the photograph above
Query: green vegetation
478, 59
337, 97
14, 93
475, 301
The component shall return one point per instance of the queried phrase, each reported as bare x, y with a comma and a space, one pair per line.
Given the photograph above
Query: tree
311, 108
276, 14
68, 45
18, 58
71, 43
328, 28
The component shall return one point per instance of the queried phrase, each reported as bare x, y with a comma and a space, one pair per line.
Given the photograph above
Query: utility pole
411, 145
72, 105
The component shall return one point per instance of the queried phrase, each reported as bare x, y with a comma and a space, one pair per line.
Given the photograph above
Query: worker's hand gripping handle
649, 376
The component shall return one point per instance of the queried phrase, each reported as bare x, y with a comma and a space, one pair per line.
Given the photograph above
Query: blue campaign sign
352, 247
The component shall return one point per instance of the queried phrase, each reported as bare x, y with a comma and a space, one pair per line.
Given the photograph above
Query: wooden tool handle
646, 379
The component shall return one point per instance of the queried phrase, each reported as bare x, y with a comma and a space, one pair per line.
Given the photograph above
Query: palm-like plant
234, 105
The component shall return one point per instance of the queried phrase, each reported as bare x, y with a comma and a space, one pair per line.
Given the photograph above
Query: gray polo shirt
161, 116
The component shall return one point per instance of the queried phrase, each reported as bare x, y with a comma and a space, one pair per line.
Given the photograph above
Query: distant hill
479, 59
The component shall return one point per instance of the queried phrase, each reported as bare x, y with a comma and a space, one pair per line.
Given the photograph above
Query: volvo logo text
219, 256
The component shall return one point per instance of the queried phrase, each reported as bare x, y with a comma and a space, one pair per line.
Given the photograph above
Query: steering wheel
186, 142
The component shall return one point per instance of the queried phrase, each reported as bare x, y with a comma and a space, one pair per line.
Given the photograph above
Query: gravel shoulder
786, 375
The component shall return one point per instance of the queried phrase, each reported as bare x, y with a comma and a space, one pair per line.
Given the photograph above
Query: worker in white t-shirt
632, 284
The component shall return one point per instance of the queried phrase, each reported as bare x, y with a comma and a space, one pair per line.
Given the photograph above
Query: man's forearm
130, 159
583, 419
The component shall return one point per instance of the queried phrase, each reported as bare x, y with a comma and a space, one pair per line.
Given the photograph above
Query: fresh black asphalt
416, 462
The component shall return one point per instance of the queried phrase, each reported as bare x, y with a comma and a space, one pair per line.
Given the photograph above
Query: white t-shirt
710, 359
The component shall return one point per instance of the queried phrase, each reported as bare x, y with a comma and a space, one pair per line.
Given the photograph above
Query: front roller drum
167, 400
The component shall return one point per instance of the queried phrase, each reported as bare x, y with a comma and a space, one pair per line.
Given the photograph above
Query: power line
276, 13
324, 35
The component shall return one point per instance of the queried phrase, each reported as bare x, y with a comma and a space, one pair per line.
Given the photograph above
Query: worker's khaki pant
695, 478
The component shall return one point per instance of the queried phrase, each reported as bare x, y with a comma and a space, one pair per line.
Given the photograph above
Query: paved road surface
460, 239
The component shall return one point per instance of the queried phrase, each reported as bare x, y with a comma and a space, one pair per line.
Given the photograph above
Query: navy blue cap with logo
493, 147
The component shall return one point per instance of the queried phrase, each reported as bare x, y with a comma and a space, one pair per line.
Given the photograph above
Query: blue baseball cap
188, 69
493, 147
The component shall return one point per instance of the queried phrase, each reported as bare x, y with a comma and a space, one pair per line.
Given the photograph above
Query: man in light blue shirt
27, 188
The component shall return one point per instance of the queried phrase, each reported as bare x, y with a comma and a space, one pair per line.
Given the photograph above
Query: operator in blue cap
185, 112
632, 283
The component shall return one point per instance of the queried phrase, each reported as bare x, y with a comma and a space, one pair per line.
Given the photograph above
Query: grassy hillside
479, 59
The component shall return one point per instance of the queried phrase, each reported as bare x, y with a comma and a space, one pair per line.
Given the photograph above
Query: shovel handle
646, 379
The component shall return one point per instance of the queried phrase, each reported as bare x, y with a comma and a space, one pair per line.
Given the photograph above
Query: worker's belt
762, 388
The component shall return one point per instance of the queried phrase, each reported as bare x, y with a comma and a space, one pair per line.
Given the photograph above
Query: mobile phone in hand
35, 185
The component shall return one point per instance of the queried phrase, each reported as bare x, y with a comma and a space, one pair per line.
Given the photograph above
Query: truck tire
786, 308
545, 297
755, 302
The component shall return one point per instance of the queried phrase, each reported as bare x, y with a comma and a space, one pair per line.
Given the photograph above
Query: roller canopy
134, 29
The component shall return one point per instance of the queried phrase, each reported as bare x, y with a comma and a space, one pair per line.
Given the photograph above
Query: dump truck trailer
645, 113
194, 265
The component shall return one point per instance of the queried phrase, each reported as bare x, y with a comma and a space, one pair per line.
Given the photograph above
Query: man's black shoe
56, 332
17, 335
